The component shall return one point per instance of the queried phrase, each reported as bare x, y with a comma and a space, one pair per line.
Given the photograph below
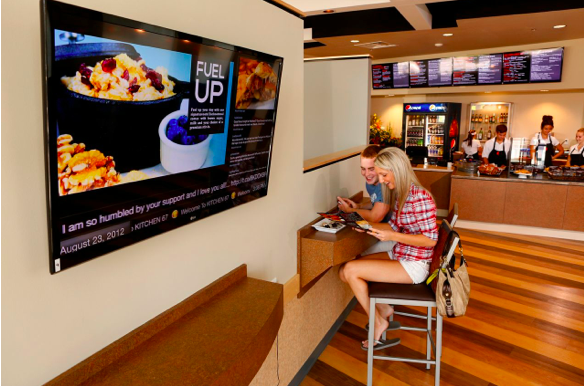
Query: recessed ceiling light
354, 41
390, 95
533, 29
488, 92
328, 11
140, 30
438, 44
544, 90
448, 34
559, 26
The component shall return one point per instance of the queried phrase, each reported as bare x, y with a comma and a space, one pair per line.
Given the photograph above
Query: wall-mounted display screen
381, 74
465, 70
440, 72
546, 65
401, 75
147, 129
516, 67
536, 66
419, 73
490, 68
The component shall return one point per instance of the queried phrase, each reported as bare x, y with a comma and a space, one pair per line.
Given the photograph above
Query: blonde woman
412, 228
576, 153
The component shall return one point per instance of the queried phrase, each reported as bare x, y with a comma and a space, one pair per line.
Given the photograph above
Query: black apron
474, 156
577, 159
549, 152
498, 157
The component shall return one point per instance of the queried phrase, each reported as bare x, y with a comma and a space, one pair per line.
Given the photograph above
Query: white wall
336, 105
50, 323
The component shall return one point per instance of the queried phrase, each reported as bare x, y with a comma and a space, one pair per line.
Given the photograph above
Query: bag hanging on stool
453, 290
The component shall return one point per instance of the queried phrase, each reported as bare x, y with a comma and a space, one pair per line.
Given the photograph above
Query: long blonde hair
396, 161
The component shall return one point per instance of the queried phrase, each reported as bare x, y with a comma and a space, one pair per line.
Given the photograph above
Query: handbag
453, 289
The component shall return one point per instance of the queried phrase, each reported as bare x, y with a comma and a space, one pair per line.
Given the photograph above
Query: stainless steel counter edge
539, 179
432, 168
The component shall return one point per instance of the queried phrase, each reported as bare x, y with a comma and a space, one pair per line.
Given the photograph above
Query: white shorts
418, 270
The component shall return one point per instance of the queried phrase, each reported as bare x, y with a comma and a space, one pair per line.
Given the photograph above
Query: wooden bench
220, 335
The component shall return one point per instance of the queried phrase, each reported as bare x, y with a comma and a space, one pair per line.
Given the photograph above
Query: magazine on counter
350, 219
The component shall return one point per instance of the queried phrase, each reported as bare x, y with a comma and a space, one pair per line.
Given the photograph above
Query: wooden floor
524, 324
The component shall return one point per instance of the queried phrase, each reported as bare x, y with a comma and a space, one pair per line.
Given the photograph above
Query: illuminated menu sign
516, 67
419, 73
440, 72
490, 69
401, 75
381, 74
465, 70
546, 65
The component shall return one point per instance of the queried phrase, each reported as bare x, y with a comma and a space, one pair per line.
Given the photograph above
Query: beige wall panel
479, 200
574, 215
438, 184
538, 205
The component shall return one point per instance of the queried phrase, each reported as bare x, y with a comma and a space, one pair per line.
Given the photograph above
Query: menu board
465, 70
546, 65
419, 73
490, 69
381, 74
401, 75
516, 67
440, 72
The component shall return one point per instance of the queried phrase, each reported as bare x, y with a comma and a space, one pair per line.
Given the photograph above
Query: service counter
534, 201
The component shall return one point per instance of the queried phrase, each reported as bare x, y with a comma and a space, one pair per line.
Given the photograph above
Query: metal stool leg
428, 342
371, 339
438, 347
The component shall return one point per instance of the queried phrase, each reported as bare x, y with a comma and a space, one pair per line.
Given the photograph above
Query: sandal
381, 344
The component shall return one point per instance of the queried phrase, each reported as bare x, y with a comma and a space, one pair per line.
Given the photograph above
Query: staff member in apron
471, 146
576, 153
496, 150
545, 141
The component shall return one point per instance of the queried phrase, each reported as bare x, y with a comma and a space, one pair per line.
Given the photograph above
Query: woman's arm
560, 151
532, 152
384, 234
568, 162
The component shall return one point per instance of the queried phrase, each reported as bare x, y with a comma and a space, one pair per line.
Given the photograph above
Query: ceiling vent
375, 45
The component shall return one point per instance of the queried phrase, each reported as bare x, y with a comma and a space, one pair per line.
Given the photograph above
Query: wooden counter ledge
219, 336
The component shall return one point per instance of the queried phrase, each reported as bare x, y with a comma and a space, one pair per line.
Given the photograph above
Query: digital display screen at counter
440, 72
535, 66
381, 74
465, 70
546, 65
516, 67
419, 73
490, 69
401, 75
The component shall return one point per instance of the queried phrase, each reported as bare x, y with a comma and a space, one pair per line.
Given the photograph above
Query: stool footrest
400, 359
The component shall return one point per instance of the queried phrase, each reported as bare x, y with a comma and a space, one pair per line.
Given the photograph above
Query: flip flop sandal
393, 325
381, 344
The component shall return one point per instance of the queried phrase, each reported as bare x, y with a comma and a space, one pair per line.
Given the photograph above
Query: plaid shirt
418, 216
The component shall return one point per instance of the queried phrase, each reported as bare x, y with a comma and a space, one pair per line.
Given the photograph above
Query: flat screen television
465, 70
546, 65
490, 69
516, 67
440, 72
418, 73
401, 75
147, 129
382, 76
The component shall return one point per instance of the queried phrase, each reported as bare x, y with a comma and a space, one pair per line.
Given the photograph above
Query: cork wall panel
574, 213
537, 205
439, 184
479, 200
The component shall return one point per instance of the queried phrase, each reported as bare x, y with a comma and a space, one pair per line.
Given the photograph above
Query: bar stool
420, 295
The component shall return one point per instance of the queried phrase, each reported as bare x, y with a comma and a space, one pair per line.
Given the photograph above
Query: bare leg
375, 256
357, 273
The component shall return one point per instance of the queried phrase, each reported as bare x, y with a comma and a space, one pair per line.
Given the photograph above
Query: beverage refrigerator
434, 126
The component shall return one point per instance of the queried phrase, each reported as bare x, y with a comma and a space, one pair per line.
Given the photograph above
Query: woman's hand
382, 234
346, 205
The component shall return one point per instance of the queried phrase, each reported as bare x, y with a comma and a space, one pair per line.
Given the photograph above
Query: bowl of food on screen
181, 149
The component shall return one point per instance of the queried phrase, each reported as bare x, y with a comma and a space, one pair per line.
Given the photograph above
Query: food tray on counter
328, 226
491, 170
565, 173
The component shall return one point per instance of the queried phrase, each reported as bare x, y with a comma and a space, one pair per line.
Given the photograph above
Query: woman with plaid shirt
412, 228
